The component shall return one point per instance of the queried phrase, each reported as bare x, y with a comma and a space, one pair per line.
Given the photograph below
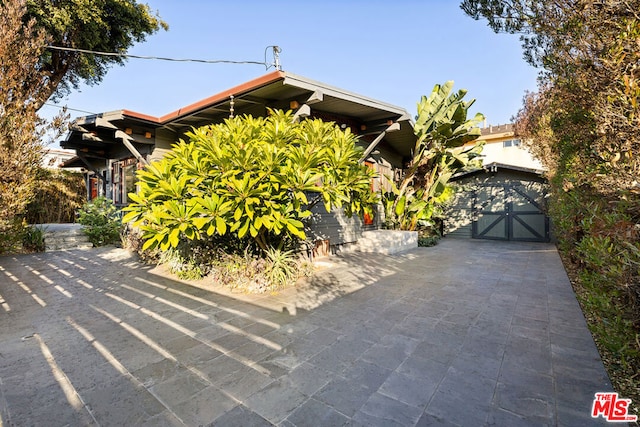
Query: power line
276, 63
276, 51
67, 108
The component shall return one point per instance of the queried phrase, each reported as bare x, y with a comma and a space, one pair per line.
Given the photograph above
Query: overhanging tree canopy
20, 92
587, 113
97, 25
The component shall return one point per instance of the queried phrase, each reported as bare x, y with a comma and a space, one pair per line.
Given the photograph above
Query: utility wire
67, 108
203, 61
276, 62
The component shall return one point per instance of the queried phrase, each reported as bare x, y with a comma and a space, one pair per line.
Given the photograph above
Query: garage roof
495, 167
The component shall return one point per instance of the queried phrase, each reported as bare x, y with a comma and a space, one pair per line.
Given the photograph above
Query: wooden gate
510, 212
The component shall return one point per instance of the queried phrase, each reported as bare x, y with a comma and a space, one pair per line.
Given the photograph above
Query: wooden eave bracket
103, 123
393, 127
126, 140
88, 136
90, 166
315, 97
303, 111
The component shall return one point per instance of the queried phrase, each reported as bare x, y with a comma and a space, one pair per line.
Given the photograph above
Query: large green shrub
608, 252
101, 221
601, 244
255, 178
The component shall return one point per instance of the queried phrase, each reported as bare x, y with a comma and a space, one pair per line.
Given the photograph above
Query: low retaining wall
64, 236
384, 242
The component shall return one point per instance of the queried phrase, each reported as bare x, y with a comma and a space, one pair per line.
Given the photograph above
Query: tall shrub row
57, 197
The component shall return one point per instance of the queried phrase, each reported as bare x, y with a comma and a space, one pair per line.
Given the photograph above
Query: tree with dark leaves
111, 26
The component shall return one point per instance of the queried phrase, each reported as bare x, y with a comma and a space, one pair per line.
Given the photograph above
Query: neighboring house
502, 147
54, 158
113, 145
506, 198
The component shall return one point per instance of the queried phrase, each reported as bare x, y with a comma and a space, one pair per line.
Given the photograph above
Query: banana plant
442, 149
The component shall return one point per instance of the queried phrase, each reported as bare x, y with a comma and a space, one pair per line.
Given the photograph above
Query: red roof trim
238, 90
141, 116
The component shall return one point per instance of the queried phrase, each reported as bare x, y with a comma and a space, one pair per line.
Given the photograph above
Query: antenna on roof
276, 57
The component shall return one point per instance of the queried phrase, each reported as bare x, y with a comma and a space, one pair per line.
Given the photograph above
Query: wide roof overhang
276, 90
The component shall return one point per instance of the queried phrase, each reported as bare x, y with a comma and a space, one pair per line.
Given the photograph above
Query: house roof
276, 90
508, 128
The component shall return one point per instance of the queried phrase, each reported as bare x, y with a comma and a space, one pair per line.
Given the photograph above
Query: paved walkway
465, 333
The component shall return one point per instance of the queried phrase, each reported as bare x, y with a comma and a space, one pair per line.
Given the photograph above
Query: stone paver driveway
466, 333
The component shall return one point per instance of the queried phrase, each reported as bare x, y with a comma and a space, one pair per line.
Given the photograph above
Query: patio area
464, 333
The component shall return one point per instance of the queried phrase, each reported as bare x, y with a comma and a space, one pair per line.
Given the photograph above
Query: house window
511, 143
385, 173
124, 180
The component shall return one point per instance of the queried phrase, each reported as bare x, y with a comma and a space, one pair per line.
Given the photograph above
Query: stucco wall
495, 152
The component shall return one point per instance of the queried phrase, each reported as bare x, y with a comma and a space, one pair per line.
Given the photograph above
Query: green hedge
59, 195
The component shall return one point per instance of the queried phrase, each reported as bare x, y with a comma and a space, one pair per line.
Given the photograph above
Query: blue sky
393, 51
